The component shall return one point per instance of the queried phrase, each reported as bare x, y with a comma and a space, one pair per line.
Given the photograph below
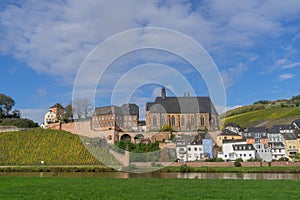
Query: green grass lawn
101, 188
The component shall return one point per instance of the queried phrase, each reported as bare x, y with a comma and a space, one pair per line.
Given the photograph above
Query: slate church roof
187, 104
125, 109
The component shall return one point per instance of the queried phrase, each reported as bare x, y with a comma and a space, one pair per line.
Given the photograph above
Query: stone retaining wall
218, 164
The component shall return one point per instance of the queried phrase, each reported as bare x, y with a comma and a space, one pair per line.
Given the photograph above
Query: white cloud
292, 65
231, 75
283, 77
54, 37
223, 109
41, 91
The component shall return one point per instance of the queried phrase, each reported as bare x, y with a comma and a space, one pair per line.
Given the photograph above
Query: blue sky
255, 45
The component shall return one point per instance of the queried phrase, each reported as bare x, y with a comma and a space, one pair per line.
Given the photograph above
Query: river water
242, 176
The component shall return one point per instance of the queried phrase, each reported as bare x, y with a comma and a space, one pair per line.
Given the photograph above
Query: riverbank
179, 168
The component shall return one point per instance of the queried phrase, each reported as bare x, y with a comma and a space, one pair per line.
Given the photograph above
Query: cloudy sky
254, 44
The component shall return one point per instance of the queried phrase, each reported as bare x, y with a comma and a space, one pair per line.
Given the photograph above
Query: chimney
163, 93
184, 94
188, 94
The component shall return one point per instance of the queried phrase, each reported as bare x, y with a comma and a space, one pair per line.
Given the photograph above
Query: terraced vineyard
36, 145
266, 117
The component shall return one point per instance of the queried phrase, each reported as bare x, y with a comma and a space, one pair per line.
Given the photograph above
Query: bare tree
82, 107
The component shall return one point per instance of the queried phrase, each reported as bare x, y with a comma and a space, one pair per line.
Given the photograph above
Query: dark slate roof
231, 124
296, 123
182, 140
228, 132
256, 130
105, 110
125, 109
57, 105
284, 127
289, 136
243, 147
130, 109
182, 105
273, 130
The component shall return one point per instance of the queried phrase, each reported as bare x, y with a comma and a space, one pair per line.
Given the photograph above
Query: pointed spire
163, 93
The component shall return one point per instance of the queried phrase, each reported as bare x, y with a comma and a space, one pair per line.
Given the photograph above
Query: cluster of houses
192, 119
281, 142
266, 144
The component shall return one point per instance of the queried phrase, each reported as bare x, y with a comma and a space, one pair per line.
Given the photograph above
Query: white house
277, 144
232, 150
263, 152
49, 118
187, 149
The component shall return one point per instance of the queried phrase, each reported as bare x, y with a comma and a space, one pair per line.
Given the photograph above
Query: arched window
182, 121
173, 121
163, 120
192, 121
201, 120
154, 121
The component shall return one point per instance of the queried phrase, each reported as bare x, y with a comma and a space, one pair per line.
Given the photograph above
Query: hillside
36, 145
265, 117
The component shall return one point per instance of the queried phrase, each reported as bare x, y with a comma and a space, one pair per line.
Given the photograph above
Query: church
181, 113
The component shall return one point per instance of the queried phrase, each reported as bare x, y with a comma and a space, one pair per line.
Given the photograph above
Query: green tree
166, 127
68, 115
6, 104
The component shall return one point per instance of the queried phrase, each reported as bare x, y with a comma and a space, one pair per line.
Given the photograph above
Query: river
242, 176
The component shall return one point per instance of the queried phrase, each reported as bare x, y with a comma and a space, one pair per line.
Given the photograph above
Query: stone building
124, 118
181, 113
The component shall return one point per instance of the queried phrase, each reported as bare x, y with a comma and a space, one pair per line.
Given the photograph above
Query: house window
173, 120
195, 149
189, 149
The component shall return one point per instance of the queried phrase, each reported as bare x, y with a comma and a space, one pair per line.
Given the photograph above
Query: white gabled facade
190, 152
233, 150
277, 145
50, 117
195, 152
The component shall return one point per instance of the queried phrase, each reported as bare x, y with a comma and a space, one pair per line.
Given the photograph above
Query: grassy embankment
107, 188
266, 117
29, 148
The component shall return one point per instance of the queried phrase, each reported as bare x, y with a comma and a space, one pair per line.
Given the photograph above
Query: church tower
163, 93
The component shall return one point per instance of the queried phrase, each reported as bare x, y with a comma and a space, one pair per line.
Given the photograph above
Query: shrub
219, 160
283, 159
166, 128
184, 168
237, 164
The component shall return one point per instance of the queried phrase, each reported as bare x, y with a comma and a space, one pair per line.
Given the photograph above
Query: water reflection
243, 176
